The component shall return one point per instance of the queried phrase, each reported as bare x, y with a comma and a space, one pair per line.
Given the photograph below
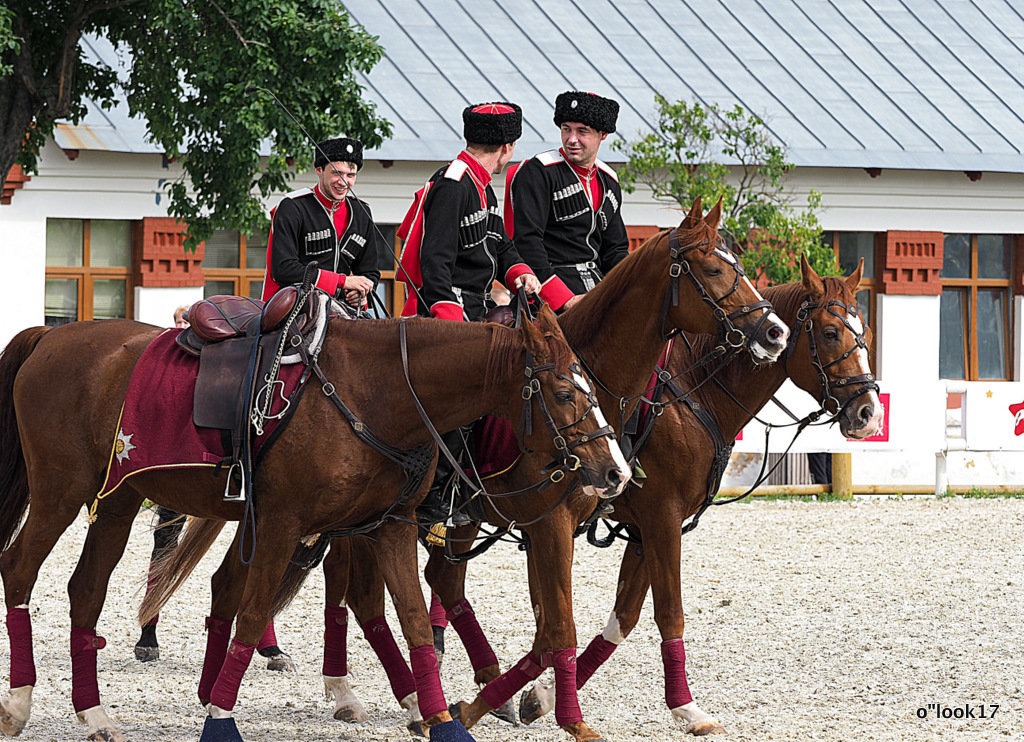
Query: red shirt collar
478, 170
581, 171
327, 203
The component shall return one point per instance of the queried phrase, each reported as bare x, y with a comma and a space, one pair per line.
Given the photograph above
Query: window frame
240, 277
86, 274
970, 286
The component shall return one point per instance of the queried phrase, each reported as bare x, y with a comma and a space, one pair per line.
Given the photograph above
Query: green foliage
191, 64
729, 154
10, 43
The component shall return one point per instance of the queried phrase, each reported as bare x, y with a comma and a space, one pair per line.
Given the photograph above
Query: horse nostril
866, 413
774, 333
614, 477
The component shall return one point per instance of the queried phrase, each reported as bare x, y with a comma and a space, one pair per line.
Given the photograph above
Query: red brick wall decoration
163, 260
16, 179
911, 262
638, 235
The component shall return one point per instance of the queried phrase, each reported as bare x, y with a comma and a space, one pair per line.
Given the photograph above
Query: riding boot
437, 506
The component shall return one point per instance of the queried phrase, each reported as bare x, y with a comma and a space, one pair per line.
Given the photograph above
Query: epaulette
299, 192
551, 157
601, 164
456, 170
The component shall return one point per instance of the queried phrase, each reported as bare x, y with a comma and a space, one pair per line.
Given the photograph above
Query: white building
906, 118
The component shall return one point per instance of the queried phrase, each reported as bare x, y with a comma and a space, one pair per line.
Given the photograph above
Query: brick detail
16, 179
911, 262
639, 235
163, 260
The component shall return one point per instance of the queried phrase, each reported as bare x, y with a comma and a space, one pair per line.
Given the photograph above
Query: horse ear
692, 219
714, 216
811, 280
853, 280
532, 335
546, 319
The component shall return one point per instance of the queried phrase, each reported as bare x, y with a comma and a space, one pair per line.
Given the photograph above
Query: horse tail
295, 575
14, 493
174, 566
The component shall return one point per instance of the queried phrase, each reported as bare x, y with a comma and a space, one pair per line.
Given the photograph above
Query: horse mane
588, 321
506, 352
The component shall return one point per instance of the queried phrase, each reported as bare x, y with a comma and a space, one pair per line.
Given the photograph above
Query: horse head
830, 344
558, 389
717, 298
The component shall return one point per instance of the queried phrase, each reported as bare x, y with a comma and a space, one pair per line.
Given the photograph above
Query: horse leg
336, 565
448, 584
396, 557
662, 548
87, 591
438, 623
19, 567
629, 597
226, 586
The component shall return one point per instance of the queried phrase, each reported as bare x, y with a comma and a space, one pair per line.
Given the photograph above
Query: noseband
733, 336
828, 401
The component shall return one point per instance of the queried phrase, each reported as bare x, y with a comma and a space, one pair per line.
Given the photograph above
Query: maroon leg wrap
506, 685
478, 648
335, 641
85, 691
677, 691
225, 690
428, 681
218, 634
19, 632
379, 635
269, 638
567, 705
595, 655
438, 617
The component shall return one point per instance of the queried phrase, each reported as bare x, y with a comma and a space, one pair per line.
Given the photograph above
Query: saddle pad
496, 447
155, 428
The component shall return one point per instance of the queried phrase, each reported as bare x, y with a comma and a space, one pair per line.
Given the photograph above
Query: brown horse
828, 359
72, 379
619, 330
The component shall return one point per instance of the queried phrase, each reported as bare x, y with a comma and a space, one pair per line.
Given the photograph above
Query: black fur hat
341, 149
586, 108
492, 123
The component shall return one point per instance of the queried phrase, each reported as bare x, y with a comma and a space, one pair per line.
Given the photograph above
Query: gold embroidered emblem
123, 446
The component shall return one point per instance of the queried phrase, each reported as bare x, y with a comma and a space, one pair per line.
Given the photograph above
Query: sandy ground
805, 621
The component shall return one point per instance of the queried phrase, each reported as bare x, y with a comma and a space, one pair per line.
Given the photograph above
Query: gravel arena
805, 621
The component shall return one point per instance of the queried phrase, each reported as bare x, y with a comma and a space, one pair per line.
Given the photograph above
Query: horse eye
564, 397
831, 334
713, 272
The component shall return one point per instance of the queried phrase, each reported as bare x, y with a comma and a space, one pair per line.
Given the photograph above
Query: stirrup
230, 496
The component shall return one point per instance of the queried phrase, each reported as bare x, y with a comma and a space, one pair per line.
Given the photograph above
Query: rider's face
336, 179
580, 143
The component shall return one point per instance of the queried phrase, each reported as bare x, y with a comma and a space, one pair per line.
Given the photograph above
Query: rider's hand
356, 285
571, 302
529, 282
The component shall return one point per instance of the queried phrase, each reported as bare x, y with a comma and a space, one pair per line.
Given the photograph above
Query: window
849, 248
974, 335
88, 264
391, 289
234, 264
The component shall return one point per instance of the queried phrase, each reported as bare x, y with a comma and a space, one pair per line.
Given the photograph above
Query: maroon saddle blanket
155, 428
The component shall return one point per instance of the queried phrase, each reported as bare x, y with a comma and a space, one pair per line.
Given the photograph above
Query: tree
189, 63
696, 150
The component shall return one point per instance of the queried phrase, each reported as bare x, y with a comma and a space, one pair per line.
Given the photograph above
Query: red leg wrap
269, 638
478, 648
428, 681
335, 641
19, 632
225, 690
85, 691
503, 687
218, 634
595, 655
677, 691
438, 617
379, 635
567, 705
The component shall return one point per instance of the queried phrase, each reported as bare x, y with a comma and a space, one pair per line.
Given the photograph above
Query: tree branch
234, 27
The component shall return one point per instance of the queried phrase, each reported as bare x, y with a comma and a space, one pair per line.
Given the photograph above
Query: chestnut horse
618, 329
72, 379
828, 359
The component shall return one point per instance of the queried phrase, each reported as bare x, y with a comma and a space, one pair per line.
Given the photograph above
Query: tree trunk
18, 112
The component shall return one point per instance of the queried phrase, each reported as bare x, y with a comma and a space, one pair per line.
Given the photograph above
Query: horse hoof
147, 654
450, 731
107, 735
455, 709
415, 728
352, 714
220, 730
706, 728
10, 726
280, 663
535, 702
507, 713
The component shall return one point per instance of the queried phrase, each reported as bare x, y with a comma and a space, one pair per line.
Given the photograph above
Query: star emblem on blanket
123, 445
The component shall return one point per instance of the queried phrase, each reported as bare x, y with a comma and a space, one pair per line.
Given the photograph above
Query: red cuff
329, 282
517, 270
555, 292
447, 310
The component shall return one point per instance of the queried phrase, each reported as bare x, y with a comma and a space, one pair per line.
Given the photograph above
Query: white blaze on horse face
759, 351
613, 632
613, 445
875, 423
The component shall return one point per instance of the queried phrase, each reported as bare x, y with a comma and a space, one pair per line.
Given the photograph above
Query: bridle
829, 403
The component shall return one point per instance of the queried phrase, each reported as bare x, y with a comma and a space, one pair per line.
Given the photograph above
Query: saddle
220, 318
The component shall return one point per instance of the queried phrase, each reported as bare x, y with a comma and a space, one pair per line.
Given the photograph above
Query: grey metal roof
920, 84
